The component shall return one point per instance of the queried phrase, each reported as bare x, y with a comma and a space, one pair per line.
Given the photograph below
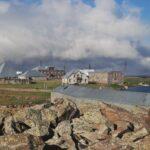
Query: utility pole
40, 63
65, 68
90, 66
125, 67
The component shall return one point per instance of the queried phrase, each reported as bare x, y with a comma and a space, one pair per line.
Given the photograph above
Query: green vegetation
115, 86
135, 81
38, 85
25, 97
97, 86
17, 98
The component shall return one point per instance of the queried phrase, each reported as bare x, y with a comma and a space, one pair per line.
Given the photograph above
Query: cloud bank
66, 30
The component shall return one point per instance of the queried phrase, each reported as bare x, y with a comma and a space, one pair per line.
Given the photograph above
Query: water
145, 89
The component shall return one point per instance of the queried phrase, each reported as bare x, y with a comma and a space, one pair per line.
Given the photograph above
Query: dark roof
74, 71
7, 71
33, 73
106, 95
68, 74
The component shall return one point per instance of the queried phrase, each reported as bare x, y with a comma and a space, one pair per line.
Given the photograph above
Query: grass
97, 86
22, 97
17, 98
38, 85
134, 81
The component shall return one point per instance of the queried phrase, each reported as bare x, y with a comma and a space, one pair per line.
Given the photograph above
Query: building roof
7, 71
68, 74
83, 71
87, 71
106, 95
33, 73
37, 68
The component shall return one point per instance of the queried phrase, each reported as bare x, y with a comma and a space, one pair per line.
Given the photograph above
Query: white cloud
69, 31
4, 6
146, 62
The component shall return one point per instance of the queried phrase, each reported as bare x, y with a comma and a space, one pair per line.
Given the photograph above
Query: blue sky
143, 4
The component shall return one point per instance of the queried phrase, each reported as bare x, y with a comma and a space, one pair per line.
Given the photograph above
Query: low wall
110, 97
55, 95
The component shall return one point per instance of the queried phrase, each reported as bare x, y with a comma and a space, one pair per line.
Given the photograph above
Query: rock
115, 114
52, 147
143, 144
49, 115
103, 129
102, 145
56, 140
65, 125
62, 136
19, 127
20, 141
80, 126
122, 128
33, 119
66, 109
94, 116
8, 130
140, 134
39, 130
64, 131
63, 128
64, 142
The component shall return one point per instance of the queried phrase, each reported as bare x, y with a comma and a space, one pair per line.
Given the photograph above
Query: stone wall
106, 77
116, 77
55, 95
99, 77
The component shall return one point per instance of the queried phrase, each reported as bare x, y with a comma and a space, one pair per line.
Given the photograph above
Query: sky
76, 30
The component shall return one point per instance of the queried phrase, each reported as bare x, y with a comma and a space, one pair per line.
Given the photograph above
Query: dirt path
24, 90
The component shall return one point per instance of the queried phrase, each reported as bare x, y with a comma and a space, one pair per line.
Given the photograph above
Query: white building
77, 77
33, 74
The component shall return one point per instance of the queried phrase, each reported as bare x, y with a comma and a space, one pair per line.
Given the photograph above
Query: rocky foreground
64, 124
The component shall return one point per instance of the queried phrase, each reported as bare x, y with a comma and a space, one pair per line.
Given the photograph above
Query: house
52, 73
33, 75
80, 94
77, 77
106, 77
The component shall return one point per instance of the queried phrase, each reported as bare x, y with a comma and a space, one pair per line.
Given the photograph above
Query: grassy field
97, 86
38, 85
22, 97
130, 81
134, 81
13, 98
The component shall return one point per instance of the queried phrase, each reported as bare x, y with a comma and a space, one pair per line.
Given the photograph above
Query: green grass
134, 81
17, 98
21, 97
97, 86
38, 85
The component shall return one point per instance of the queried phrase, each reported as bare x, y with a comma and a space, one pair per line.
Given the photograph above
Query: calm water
139, 89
